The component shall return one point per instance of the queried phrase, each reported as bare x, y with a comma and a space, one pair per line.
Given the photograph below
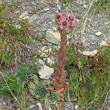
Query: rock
41, 62
33, 18
76, 107
85, 6
54, 28
103, 43
77, 20
92, 37
4, 103
45, 72
39, 106
18, 26
50, 61
98, 33
17, 11
68, 105
45, 9
53, 37
24, 15
53, 20
90, 53
46, 51
31, 106
59, 7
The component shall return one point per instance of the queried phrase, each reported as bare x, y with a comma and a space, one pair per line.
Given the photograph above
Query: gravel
41, 17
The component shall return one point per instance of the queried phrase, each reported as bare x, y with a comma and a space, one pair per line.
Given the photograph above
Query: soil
40, 14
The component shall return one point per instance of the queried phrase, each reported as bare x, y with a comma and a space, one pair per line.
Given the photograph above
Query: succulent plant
53, 98
65, 24
38, 89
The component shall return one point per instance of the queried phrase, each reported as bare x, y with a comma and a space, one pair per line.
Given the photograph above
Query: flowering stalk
65, 26
58, 80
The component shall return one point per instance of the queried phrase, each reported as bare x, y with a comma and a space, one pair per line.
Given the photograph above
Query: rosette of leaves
38, 89
53, 98
69, 94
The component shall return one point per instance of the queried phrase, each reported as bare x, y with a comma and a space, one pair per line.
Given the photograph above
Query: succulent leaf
38, 89
35, 78
32, 85
53, 98
32, 91
41, 93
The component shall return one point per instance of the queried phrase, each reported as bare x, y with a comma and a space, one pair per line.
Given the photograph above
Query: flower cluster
65, 22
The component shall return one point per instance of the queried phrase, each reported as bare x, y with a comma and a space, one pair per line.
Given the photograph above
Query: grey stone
31, 106
45, 72
53, 37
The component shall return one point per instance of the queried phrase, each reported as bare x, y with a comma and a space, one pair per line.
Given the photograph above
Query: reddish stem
58, 80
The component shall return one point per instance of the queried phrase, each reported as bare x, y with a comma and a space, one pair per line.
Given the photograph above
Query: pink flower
57, 18
71, 17
64, 22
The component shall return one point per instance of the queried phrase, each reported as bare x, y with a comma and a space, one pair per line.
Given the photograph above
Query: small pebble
85, 6
4, 103
103, 43
76, 107
40, 106
98, 33
31, 106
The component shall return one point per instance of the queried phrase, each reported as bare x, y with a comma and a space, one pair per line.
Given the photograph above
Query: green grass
90, 82
89, 77
11, 36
